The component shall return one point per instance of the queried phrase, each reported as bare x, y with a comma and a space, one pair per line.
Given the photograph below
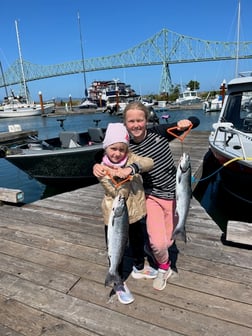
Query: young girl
118, 163
159, 183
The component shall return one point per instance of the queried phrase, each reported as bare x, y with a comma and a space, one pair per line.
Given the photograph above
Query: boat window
232, 110
246, 111
239, 109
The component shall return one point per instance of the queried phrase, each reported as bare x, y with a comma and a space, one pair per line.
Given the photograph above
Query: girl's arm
140, 164
181, 124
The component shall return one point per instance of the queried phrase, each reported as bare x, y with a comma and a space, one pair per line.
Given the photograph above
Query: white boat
188, 97
16, 106
22, 106
145, 101
87, 104
231, 139
107, 93
212, 105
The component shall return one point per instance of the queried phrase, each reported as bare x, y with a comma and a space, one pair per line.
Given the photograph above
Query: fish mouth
184, 169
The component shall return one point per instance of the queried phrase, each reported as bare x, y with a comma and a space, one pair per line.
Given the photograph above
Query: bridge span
164, 48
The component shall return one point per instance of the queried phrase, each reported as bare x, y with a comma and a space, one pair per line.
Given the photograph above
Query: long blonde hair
136, 105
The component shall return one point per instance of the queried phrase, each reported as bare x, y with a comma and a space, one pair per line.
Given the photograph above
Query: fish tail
180, 232
112, 278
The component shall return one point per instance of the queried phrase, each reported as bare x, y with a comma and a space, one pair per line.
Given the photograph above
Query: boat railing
229, 132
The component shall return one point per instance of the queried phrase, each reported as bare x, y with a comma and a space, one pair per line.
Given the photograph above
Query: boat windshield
238, 111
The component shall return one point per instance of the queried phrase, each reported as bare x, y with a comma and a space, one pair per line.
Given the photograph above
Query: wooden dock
53, 263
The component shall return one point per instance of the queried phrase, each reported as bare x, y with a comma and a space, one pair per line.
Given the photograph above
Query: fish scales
183, 195
117, 236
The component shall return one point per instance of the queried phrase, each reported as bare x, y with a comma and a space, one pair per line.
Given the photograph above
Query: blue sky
49, 34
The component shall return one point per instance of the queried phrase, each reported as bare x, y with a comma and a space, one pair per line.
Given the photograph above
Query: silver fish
183, 195
117, 237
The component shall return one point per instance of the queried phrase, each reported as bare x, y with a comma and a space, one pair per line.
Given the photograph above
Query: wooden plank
167, 308
33, 271
11, 195
212, 268
239, 232
5, 331
91, 317
18, 319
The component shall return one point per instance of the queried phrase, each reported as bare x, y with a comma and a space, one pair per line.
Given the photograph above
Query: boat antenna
82, 57
4, 82
21, 63
238, 39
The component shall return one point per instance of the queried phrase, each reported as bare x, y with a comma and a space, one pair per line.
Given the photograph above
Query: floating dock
53, 263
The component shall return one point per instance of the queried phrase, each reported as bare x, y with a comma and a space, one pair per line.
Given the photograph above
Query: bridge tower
166, 82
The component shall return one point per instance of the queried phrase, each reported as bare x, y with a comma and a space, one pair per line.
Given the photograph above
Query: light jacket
132, 190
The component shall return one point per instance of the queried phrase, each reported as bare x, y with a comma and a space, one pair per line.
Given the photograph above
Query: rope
216, 171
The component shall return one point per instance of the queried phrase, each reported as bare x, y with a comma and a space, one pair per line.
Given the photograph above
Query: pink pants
160, 223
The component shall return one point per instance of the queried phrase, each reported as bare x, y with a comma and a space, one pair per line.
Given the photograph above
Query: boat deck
10, 138
53, 264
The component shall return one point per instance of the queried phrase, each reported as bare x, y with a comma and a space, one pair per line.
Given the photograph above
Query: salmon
183, 195
117, 237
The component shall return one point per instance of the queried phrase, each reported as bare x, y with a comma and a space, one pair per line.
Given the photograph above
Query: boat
212, 105
110, 93
231, 138
145, 101
188, 97
66, 160
215, 104
87, 104
22, 106
18, 106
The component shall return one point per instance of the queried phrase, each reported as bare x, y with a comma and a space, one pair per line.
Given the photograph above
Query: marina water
47, 127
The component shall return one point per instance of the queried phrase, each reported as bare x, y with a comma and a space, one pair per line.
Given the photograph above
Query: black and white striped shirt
161, 180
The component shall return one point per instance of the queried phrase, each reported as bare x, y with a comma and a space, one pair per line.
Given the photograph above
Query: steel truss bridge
164, 48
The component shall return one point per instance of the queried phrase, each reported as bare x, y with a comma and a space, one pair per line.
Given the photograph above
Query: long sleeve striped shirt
161, 180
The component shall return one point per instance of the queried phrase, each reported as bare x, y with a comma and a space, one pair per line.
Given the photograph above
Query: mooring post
41, 102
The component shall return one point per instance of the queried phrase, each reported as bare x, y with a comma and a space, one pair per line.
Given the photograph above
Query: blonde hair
136, 105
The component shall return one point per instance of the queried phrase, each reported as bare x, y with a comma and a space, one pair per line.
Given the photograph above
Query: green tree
193, 85
174, 93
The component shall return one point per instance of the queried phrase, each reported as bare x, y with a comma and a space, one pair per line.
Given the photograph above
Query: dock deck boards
53, 264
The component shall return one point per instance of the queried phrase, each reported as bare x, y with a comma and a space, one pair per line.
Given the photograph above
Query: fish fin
178, 232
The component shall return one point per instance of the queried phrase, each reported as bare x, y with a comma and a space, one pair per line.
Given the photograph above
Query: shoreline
61, 110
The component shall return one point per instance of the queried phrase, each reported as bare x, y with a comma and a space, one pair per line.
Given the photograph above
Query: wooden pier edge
239, 232
11, 195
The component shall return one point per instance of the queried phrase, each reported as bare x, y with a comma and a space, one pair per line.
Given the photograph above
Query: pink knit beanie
116, 132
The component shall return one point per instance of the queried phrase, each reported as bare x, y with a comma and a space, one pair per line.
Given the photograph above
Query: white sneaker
159, 282
146, 273
124, 295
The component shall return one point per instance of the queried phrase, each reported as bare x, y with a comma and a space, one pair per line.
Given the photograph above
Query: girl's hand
122, 172
183, 124
98, 170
